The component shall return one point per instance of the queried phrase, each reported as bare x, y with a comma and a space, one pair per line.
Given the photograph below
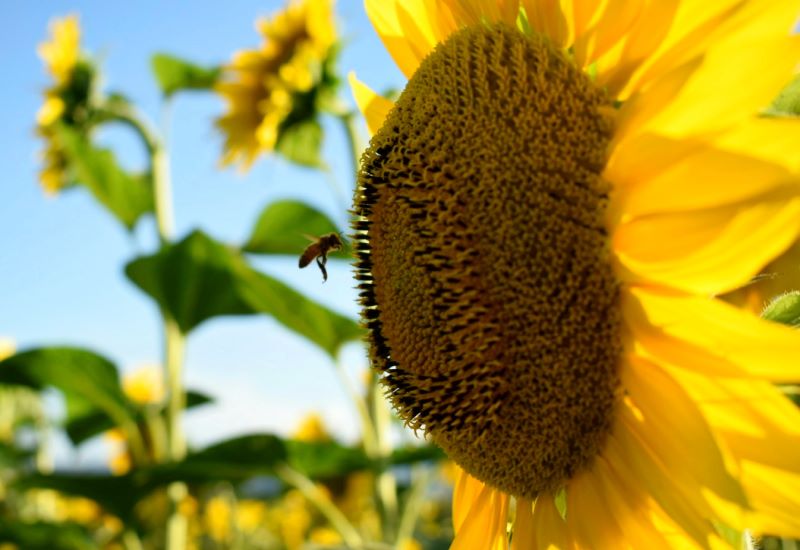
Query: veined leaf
174, 74
127, 196
82, 425
199, 278
87, 380
284, 227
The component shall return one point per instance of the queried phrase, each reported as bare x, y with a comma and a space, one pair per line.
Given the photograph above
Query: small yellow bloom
250, 514
311, 429
324, 536
7, 348
218, 519
259, 85
144, 385
64, 101
120, 461
61, 52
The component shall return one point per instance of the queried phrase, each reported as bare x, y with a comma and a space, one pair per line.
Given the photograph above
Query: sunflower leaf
301, 143
199, 278
88, 381
127, 196
89, 422
282, 228
174, 74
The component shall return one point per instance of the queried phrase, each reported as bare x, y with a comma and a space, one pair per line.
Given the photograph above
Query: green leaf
85, 424
414, 454
87, 380
174, 74
283, 227
301, 143
784, 309
40, 535
325, 459
116, 494
199, 278
126, 196
788, 102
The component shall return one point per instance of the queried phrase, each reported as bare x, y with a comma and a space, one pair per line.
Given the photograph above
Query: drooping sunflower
66, 100
266, 86
543, 218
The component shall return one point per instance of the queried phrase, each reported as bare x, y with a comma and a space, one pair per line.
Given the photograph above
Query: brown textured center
482, 255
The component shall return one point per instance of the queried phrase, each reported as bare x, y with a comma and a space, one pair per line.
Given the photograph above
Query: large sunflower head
542, 218
67, 100
276, 85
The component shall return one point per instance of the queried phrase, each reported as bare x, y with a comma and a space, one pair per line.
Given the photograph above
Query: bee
318, 250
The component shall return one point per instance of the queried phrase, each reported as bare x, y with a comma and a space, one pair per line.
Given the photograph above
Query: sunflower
265, 86
543, 218
66, 100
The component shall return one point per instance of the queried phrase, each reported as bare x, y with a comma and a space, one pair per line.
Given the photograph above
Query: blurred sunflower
543, 217
66, 100
278, 84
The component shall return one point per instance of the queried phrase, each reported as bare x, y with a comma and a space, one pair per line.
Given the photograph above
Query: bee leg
321, 261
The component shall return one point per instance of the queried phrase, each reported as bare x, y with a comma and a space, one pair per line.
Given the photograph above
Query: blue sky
61, 258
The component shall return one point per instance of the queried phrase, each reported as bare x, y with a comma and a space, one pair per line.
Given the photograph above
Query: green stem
386, 484
130, 540
349, 121
412, 507
174, 340
319, 499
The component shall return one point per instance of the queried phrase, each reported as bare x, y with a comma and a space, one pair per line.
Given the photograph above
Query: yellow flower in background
260, 85
325, 536
144, 385
217, 517
65, 101
120, 461
61, 52
251, 514
7, 348
543, 216
312, 429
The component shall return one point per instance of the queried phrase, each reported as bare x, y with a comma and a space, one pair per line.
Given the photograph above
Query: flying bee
318, 250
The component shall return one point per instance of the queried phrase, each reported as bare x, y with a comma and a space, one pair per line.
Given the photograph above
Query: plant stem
349, 121
339, 522
174, 340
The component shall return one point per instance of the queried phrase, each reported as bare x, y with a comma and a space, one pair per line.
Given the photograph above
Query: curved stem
339, 522
174, 340
349, 121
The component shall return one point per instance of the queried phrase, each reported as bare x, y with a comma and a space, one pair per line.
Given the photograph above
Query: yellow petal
630, 508
465, 494
705, 179
549, 528
679, 499
699, 26
772, 139
548, 17
383, 15
675, 429
524, 533
721, 92
587, 513
473, 12
709, 251
646, 36
751, 417
710, 336
484, 525
374, 107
